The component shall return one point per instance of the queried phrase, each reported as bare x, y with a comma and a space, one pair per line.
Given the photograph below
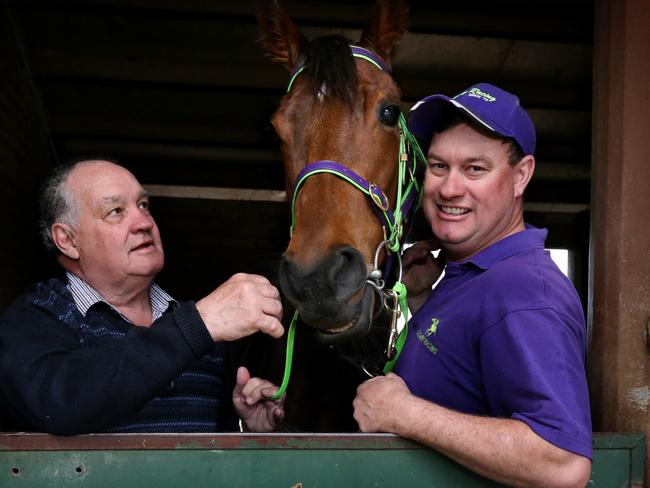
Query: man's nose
452, 185
142, 221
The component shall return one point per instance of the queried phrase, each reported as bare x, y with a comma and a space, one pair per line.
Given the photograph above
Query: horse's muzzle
332, 296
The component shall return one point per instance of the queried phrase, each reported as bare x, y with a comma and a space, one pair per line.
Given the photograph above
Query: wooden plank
564, 21
212, 193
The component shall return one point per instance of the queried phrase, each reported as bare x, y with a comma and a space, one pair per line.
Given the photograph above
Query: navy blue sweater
63, 373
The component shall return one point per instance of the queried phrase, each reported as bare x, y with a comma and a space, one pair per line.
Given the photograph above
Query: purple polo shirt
504, 335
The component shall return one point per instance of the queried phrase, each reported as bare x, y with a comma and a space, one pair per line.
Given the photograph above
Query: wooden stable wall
182, 93
620, 242
25, 158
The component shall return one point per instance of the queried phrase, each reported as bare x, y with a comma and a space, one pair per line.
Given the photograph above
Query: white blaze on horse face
322, 93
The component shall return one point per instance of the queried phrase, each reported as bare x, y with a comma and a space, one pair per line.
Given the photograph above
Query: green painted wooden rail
268, 460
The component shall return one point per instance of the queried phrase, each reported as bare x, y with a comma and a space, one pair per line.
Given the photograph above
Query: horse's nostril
346, 272
336, 279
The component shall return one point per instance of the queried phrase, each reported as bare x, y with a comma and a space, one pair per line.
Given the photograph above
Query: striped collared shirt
85, 296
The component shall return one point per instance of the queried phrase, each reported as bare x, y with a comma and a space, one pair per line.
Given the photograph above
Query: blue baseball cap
493, 108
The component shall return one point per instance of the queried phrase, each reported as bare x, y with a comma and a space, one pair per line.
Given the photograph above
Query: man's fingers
417, 256
257, 389
262, 288
261, 283
242, 376
239, 277
272, 307
270, 325
270, 291
241, 306
278, 413
419, 251
269, 391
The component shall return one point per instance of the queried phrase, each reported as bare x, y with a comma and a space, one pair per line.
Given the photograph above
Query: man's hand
251, 399
420, 271
377, 404
240, 307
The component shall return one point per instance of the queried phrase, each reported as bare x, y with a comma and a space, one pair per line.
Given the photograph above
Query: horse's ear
388, 23
280, 37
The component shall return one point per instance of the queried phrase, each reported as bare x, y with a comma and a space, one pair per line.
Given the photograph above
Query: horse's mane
330, 66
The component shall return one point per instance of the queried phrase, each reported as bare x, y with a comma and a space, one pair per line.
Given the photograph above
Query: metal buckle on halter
387, 295
378, 196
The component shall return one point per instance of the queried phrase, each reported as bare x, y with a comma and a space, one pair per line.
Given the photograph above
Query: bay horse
351, 178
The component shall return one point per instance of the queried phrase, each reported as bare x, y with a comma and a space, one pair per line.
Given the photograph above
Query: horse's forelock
330, 65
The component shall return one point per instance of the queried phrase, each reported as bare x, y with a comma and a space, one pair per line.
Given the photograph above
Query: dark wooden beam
548, 20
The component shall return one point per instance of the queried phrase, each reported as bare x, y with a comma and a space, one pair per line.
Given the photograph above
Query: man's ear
65, 240
524, 170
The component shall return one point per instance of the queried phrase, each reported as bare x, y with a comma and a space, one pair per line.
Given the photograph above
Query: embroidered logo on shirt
424, 334
434, 327
426, 342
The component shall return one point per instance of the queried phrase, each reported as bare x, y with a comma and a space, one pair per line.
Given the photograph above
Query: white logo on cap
475, 92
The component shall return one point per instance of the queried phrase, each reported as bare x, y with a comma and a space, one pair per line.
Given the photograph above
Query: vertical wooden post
619, 288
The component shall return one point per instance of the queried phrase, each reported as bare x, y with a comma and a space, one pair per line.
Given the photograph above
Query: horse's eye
389, 114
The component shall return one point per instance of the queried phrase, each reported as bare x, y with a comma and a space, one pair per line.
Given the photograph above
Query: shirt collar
85, 296
529, 238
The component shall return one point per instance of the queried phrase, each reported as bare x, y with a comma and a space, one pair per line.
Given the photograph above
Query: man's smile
453, 210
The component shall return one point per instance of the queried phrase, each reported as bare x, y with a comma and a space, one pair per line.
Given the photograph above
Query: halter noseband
392, 221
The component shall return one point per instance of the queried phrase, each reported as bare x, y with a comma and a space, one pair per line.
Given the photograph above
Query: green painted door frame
267, 460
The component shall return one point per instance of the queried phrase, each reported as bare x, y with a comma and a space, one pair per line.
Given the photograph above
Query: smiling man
105, 348
492, 373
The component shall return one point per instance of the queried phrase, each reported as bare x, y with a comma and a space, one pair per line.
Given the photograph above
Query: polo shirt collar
85, 296
530, 238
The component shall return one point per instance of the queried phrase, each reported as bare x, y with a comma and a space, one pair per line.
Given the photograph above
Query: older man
492, 373
106, 349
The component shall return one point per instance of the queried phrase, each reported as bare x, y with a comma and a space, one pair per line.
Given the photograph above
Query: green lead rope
400, 291
288, 359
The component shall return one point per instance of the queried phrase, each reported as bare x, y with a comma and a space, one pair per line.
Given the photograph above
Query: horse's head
340, 127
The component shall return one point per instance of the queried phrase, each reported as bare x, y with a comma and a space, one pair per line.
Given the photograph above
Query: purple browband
358, 52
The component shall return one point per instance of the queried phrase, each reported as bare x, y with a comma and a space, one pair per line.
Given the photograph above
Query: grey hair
57, 201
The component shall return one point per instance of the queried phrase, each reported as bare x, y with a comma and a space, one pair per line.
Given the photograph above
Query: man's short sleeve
533, 367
